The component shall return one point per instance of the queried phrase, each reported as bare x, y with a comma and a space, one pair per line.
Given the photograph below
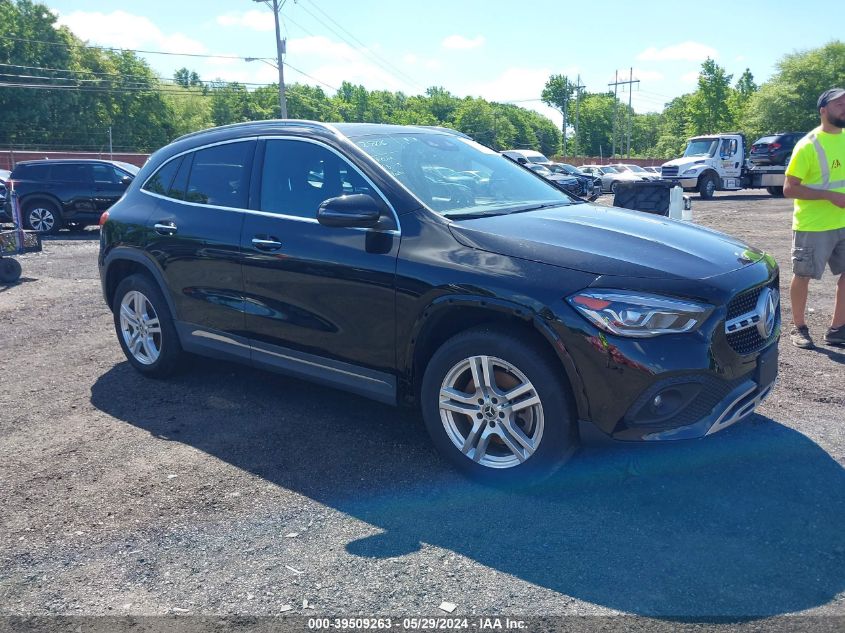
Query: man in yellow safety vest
815, 177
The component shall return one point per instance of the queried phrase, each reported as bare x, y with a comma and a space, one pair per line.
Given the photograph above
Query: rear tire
43, 217
496, 407
775, 192
145, 327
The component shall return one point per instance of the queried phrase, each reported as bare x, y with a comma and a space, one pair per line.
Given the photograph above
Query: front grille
749, 340
669, 172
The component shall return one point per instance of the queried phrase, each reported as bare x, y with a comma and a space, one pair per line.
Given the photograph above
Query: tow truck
717, 162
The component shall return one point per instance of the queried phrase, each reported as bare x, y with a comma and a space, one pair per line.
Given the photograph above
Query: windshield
491, 184
538, 159
132, 169
635, 168
702, 147
610, 170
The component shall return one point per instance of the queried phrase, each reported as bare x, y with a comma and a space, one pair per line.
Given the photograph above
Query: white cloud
119, 29
333, 62
647, 75
256, 20
462, 43
690, 77
686, 51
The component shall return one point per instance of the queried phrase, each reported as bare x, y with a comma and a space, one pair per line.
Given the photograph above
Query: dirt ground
230, 491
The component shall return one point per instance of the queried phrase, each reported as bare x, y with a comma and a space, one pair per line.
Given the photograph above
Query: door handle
270, 244
165, 228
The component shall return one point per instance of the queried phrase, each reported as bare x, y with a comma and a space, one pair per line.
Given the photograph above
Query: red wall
9, 158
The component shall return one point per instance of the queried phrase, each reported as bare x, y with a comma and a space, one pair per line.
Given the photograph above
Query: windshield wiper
470, 215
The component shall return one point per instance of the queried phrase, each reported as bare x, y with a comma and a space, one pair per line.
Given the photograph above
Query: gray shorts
811, 250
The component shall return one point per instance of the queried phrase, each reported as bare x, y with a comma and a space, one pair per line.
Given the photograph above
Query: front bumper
686, 183
680, 386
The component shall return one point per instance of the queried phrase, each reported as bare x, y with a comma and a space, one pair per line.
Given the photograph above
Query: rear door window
220, 175
71, 173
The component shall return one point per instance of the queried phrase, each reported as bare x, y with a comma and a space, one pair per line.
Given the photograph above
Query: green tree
788, 100
187, 78
557, 93
596, 124
708, 108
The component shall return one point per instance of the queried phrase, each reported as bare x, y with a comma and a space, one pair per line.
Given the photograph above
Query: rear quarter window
161, 180
31, 172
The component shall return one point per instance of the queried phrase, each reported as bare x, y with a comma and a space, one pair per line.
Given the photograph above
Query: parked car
569, 184
609, 176
640, 172
655, 169
474, 181
514, 321
67, 192
590, 185
523, 156
775, 149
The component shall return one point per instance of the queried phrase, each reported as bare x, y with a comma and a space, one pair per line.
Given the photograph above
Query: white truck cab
716, 162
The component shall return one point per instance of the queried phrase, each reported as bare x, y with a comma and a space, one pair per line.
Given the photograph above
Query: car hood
684, 162
608, 241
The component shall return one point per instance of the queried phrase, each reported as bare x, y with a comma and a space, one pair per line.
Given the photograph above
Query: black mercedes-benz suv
514, 316
67, 192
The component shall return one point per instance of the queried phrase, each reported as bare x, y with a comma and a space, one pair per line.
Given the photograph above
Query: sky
500, 51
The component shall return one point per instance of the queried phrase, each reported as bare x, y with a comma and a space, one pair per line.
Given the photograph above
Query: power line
134, 50
365, 48
375, 58
122, 76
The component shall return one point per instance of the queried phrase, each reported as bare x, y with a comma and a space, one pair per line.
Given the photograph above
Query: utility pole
280, 52
578, 88
631, 81
111, 154
630, 91
615, 85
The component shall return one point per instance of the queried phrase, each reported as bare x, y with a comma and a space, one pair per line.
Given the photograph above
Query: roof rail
281, 122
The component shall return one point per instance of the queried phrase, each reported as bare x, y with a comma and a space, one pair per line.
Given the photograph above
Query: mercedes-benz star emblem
767, 310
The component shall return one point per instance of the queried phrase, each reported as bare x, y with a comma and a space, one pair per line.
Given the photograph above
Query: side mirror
126, 180
355, 210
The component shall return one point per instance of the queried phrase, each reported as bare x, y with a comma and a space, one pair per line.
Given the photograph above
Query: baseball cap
829, 95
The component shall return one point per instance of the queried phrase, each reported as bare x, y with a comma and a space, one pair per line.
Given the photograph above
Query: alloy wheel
491, 412
140, 327
41, 219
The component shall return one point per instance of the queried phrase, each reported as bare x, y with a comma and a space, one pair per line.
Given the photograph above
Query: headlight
638, 314
693, 170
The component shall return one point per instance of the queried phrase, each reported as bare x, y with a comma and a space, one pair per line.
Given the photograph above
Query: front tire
145, 327
43, 217
495, 407
707, 186
775, 192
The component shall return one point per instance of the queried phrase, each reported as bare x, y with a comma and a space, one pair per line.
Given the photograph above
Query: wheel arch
448, 316
25, 201
123, 262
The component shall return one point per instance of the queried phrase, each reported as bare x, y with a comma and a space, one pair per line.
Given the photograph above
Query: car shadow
745, 197
75, 236
749, 522
4, 286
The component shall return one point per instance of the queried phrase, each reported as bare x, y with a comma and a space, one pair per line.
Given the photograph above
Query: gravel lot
230, 491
